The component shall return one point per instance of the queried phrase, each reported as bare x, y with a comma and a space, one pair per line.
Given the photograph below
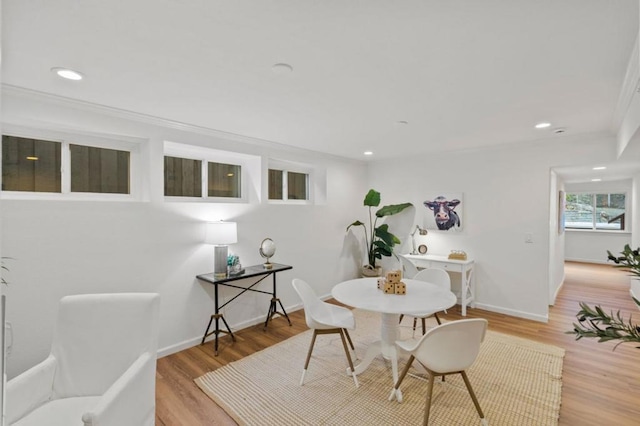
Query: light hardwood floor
600, 386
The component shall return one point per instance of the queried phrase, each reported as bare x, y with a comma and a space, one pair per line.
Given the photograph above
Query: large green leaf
372, 199
356, 223
382, 232
392, 209
382, 251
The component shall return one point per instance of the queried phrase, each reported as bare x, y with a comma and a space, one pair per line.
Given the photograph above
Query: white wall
584, 246
506, 195
67, 247
589, 246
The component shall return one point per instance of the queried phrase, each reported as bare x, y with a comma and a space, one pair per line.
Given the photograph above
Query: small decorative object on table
234, 267
267, 250
458, 255
392, 284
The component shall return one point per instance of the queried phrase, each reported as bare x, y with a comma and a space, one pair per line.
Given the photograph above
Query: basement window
595, 211
289, 182
198, 173
66, 165
31, 165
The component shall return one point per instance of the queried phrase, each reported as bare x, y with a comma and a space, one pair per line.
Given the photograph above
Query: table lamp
221, 234
421, 231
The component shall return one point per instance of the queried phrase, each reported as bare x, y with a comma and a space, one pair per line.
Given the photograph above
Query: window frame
293, 167
205, 156
68, 138
594, 194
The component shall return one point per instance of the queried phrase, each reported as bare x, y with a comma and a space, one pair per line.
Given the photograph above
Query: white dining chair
436, 276
325, 318
409, 270
449, 348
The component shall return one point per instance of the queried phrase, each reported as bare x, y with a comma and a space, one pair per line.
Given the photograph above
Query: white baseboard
555, 294
579, 260
186, 344
513, 313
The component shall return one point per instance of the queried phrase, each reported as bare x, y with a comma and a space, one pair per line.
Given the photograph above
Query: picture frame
443, 211
561, 208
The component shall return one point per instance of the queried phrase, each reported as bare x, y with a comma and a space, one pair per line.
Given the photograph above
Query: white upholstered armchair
101, 369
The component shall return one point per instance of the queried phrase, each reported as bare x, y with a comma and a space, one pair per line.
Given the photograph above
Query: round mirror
267, 250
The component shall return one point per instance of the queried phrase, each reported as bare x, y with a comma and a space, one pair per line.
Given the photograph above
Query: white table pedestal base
389, 332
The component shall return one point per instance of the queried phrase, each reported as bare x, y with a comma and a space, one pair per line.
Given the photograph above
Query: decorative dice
392, 284
389, 288
394, 276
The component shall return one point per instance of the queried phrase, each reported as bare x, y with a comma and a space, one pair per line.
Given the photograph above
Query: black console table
259, 272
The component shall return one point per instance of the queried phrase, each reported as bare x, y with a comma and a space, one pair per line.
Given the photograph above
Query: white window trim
205, 155
290, 166
67, 138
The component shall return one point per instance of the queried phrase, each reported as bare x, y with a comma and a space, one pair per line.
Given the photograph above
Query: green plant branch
596, 323
629, 261
4, 268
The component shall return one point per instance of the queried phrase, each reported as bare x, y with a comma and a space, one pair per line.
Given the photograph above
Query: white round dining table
422, 298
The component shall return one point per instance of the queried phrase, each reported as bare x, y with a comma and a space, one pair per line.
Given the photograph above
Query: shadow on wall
351, 258
400, 225
353, 255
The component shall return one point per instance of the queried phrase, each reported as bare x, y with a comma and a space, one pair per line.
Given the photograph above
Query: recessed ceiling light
599, 168
32, 158
543, 125
282, 68
402, 122
67, 73
368, 153
596, 180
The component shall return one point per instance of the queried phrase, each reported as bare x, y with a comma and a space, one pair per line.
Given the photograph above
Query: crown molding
160, 122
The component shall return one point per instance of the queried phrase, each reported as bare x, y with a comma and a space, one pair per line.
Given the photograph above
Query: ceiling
462, 74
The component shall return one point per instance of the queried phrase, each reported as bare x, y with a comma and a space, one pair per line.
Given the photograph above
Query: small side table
465, 267
256, 271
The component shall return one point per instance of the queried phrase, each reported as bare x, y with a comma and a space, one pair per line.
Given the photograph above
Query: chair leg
349, 339
401, 378
424, 326
400, 320
306, 363
473, 395
346, 351
427, 408
415, 321
437, 318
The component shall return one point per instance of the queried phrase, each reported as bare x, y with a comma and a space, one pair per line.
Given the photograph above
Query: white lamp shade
221, 233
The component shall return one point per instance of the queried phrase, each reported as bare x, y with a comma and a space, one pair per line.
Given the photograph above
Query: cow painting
444, 212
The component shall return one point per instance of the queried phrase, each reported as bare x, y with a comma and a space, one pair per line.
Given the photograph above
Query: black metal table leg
273, 307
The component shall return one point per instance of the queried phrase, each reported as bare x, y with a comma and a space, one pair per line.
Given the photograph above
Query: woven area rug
517, 382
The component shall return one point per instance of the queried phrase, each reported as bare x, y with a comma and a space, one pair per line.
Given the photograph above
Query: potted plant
378, 240
596, 323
